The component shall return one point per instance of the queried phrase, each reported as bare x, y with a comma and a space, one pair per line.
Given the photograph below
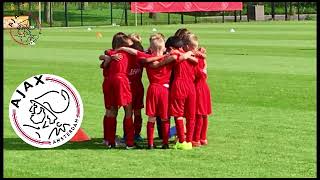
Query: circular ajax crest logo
46, 111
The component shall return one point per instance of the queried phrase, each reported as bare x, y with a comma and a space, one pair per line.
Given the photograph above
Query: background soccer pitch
263, 84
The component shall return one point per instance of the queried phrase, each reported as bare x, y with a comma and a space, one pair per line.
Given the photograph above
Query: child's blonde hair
157, 43
190, 40
157, 35
135, 37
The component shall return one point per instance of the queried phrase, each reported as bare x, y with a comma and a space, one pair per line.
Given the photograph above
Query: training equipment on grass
232, 30
154, 29
98, 35
80, 136
89, 29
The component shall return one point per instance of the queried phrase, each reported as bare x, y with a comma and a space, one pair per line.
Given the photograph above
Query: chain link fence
66, 14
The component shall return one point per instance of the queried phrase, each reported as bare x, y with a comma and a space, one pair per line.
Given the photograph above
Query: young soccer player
135, 75
183, 95
104, 65
118, 92
158, 93
203, 100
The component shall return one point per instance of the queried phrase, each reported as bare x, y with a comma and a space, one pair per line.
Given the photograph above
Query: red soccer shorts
118, 92
203, 104
157, 101
183, 99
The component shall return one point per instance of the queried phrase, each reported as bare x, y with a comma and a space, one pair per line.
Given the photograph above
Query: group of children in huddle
176, 69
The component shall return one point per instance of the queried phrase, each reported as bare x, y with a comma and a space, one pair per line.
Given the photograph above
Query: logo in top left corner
46, 111
23, 29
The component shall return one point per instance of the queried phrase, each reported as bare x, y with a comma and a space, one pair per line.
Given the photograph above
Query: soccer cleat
111, 146
196, 144
152, 146
138, 138
123, 140
177, 145
119, 143
105, 142
188, 146
129, 147
204, 142
165, 146
185, 146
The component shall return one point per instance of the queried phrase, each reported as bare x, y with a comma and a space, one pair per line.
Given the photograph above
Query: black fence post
223, 16
290, 10
240, 15
111, 13
125, 14
182, 18
235, 16
195, 18
141, 19
18, 7
272, 11
66, 13
248, 9
285, 11
50, 11
81, 6
30, 6
168, 18
298, 11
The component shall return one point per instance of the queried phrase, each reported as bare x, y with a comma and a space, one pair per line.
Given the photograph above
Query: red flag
142, 7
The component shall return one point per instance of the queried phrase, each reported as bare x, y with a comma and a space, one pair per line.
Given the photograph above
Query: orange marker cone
99, 35
80, 136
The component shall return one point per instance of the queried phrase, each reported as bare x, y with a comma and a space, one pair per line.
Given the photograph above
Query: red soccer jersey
118, 67
135, 69
160, 75
184, 70
200, 74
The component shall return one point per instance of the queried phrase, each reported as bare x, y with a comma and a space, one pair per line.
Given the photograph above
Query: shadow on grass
94, 143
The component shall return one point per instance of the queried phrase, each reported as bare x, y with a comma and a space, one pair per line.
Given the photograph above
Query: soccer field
263, 86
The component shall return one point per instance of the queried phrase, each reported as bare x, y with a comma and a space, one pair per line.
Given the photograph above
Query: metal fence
64, 14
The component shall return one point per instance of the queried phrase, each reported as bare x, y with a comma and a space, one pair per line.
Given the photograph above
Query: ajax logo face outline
46, 111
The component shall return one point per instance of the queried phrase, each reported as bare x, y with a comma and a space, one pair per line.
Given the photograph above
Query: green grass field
263, 85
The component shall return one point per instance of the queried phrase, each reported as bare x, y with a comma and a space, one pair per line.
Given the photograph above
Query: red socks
137, 124
129, 131
150, 130
197, 129
110, 129
204, 128
165, 127
105, 136
190, 129
180, 129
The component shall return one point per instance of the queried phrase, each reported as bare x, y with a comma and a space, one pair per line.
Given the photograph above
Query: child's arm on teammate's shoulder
167, 60
188, 56
128, 50
104, 57
200, 53
202, 50
105, 61
152, 59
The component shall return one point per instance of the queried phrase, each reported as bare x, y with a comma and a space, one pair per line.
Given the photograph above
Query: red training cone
80, 136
